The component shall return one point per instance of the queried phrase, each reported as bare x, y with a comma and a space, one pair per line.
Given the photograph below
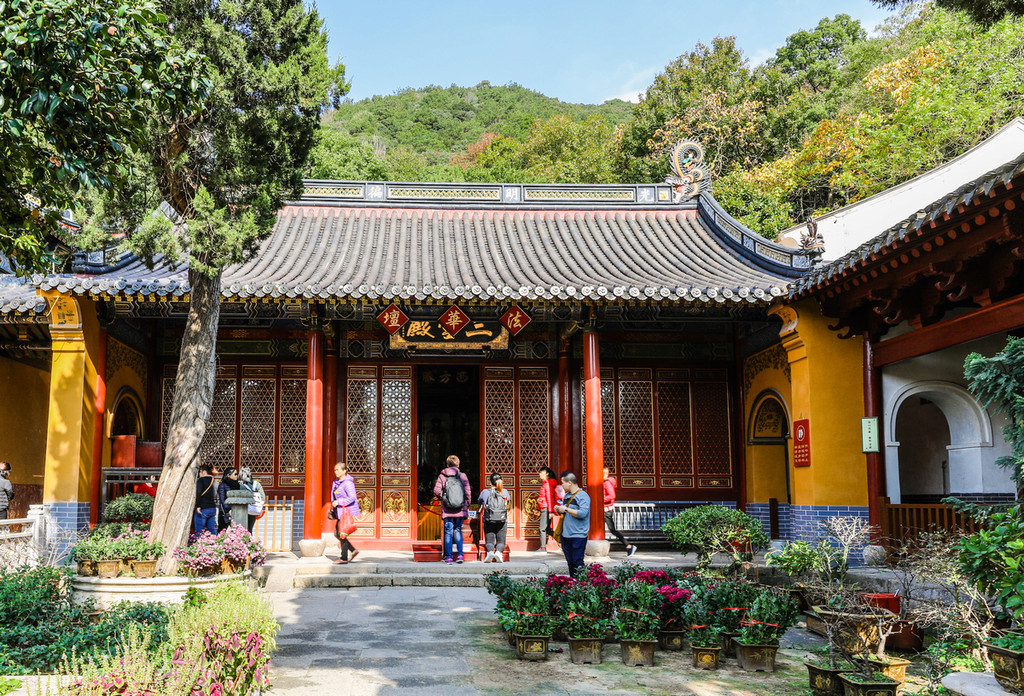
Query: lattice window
674, 428
711, 427
218, 448
361, 439
259, 403
499, 426
166, 405
292, 448
396, 425
534, 425
636, 428
607, 424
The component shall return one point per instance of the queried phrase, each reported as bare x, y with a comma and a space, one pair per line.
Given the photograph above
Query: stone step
390, 580
357, 568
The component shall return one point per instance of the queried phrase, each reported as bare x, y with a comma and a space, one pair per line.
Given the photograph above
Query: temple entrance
448, 422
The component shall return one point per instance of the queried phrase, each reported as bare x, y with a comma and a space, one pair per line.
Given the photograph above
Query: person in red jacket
546, 504
609, 518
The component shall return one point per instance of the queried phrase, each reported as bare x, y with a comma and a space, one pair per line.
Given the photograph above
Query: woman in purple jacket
343, 495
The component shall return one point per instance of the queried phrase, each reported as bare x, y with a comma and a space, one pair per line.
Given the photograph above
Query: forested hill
439, 122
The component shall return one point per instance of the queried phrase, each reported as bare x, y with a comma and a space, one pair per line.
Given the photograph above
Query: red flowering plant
673, 607
604, 585
653, 577
555, 590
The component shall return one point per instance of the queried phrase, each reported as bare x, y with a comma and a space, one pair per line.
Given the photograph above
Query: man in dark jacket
205, 516
453, 517
6, 490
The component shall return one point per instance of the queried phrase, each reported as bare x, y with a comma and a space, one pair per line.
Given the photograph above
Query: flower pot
532, 647
86, 568
1008, 666
824, 681
144, 569
796, 594
585, 651
558, 634
638, 653
882, 600
511, 638
107, 569
908, 636
671, 640
893, 667
756, 658
705, 658
124, 566
728, 643
868, 688
858, 633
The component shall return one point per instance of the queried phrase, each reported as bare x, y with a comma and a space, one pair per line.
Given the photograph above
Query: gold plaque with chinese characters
515, 319
425, 335
392, 318
454, 320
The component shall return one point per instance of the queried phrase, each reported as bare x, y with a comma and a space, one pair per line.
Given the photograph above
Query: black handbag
332, 513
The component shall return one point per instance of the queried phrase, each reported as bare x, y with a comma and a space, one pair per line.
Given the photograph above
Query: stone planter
756, 658
858, 633
106, 592
672, 640
705, 658
729, 643
869, 688
824, 681
558, 634
532, 647
87, 569
585, 651
638, 653
1008, 666
511, 638
894, 667
908, 636
107, 569
144, 569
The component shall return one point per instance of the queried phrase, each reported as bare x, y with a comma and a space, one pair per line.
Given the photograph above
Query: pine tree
999, 381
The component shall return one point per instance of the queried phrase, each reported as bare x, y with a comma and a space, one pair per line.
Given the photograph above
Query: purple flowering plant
204, 554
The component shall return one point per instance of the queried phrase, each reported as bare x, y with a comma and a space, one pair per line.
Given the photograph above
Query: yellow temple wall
23, 415
126, 368
766, 372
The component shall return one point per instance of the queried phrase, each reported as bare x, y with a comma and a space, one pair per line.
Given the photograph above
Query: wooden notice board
802, 443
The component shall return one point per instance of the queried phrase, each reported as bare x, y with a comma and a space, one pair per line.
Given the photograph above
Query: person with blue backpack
495, 502
453, 489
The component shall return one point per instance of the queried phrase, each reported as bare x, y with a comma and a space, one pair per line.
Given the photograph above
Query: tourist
454, 505
546, 504
6, 490
259, 497
205, 517
228, 482
609, 518
494, 502
147, 487
346, 508
575, 524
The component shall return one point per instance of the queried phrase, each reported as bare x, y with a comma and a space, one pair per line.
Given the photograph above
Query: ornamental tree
999, 382
224, 172
78, 80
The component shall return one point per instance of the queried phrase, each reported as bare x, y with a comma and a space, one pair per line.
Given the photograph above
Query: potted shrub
110, 554
770, 615
532, 624
637, 622
802, 562
704, 636
868, 683
1007, 655
712, 529
499, 584
585, 627
729, 600
823, 672
132, 507
85, 554
672, 635
555, 589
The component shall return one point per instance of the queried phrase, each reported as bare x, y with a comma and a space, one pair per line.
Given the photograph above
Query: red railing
902, 523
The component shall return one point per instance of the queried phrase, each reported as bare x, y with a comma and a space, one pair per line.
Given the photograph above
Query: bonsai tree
582, 618
770, 615
835, 624
800, 560
637, 615
713, 529
843, 535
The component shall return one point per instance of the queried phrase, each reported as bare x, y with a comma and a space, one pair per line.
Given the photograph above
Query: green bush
993, 559
712, 529
133, 507
638, 614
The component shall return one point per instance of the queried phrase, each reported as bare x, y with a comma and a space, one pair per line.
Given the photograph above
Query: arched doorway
938, 442
768, 487
126, 415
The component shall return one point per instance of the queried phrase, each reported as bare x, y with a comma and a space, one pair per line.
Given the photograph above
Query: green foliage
799, 557
993, 559
528, 609
584, 612
637, 617
698, 618
8, 684
116, 529
78, 81
711, 529
729, 600
231, 607
984, 12
999, 382
1014, 641
133, 507
771, 614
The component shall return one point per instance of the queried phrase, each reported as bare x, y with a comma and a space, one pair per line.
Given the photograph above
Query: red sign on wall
802, 443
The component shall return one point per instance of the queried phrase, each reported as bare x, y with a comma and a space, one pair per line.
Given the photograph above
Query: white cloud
633, 86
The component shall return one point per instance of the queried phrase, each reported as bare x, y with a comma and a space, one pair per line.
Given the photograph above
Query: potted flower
584, 624
202, 557
555, 589
729, 600
532, 624
85, 554
110, 553
672, 635
637, 622
705, 637
147, 554
770, 615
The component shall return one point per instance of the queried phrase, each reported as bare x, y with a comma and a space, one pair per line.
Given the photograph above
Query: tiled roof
963, 196
353, 240
18, 296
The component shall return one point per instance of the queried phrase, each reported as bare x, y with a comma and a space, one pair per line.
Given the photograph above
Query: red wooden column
96, 482
314, 436
565, 422
330, 411
595, 445
873, 409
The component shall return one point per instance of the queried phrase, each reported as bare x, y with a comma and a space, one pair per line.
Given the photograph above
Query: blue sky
576, 51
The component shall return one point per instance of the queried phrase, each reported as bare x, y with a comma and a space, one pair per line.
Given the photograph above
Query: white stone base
312, 547
106, 592
598, 550
973, 684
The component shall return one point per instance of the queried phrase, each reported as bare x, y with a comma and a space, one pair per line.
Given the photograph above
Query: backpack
494, 509
453, 497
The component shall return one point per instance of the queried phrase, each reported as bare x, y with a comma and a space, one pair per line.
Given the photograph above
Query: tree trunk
193, 394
